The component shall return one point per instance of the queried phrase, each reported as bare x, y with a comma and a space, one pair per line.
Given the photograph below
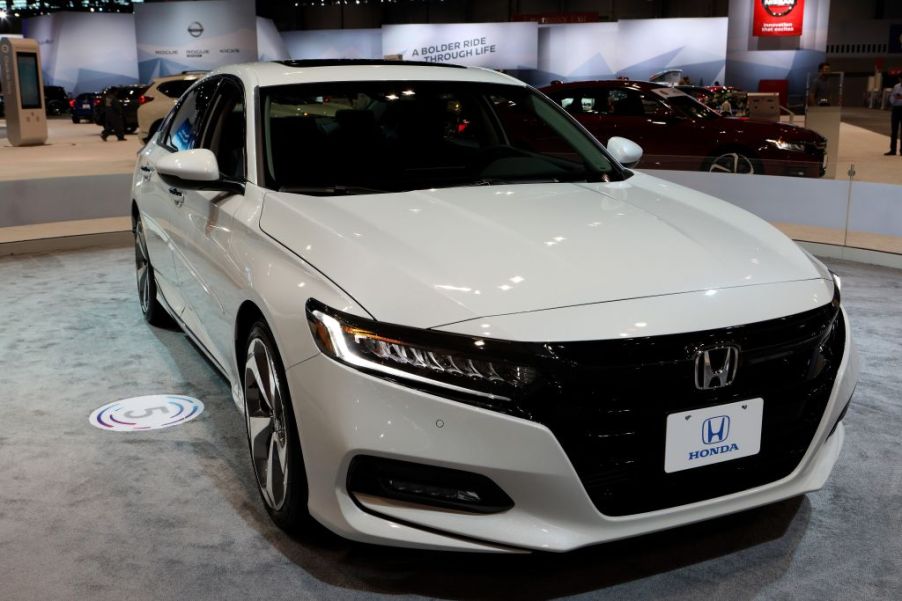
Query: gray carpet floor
173, 514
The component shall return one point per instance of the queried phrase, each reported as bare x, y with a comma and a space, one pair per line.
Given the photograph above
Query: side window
184, 127
581, 102
653, 107
625, 103
225, 131
175, 88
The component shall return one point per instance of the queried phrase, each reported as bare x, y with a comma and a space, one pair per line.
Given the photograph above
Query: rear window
174, 89
130, 92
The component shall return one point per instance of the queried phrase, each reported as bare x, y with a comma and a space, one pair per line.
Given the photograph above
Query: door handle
146, 169
177, 197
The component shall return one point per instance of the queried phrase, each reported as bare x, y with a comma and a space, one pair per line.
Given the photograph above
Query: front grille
607, 403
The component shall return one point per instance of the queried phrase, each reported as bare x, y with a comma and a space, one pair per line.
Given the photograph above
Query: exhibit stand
825, 120
23, 85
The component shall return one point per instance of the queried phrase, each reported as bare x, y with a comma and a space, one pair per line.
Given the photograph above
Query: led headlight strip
451, 362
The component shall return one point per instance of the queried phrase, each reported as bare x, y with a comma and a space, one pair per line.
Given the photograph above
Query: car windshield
393, 136
690, 107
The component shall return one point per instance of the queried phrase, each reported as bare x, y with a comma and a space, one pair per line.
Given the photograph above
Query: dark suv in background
56, 100
83, 106
678, 132
131, 96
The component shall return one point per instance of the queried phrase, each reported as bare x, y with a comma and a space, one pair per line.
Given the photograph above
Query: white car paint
533, 262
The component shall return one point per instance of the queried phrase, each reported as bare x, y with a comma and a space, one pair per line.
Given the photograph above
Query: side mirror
626, 152
197, 169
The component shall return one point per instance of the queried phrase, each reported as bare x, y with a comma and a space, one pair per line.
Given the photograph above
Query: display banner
270, 45
753, 58
85, 52
778, 18
494, 45
179, 36
334, 43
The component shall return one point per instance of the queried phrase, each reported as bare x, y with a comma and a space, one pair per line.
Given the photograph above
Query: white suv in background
160, 97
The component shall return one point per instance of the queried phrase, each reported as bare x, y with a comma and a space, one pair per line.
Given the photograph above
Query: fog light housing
427, 485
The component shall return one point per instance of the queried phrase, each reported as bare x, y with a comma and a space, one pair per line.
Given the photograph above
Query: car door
215, 280
674, 139
167, 222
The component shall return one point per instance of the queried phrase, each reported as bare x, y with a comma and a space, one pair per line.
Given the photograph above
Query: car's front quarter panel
278, 283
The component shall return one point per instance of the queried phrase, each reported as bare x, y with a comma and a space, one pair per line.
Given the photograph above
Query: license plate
713, 435
86, 106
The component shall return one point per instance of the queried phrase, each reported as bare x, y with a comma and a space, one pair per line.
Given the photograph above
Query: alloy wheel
142, 268
732, 162
267, 426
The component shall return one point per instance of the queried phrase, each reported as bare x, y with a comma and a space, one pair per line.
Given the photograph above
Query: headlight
477, 371
784, 145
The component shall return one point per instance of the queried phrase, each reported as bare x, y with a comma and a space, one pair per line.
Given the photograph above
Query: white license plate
713, 435
86, 106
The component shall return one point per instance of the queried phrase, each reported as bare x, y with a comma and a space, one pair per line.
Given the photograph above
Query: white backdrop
634, 48
334, 43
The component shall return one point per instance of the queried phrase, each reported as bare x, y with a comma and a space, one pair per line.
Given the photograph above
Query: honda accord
453, 320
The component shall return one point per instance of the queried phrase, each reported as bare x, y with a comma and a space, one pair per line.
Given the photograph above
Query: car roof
298, 72
607, 83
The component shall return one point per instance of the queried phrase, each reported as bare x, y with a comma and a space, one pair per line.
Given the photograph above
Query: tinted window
130, 92
184, 127
358, 137
225, 133
174, 89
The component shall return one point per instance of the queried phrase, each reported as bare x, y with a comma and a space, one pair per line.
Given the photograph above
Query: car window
175, 88
184, 127
625, 103
652, 106
225, 130
585, 102
130, 92
355, 137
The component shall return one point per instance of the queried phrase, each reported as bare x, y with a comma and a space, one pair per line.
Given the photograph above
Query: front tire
272, 433
735, 161
153, 311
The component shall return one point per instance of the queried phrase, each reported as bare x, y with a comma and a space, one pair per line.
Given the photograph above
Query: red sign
774, 18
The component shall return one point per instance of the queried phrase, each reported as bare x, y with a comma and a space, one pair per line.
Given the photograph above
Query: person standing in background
895, 101
113, 116
821, 90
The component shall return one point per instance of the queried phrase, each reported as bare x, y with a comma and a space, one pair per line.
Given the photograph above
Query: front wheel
153, 311
273, 434
733, 162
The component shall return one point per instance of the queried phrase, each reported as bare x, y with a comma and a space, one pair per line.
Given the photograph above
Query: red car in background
676, 131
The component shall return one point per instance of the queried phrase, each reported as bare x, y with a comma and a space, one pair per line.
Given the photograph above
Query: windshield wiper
330, 190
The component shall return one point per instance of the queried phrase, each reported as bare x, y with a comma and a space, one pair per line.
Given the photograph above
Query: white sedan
454, 320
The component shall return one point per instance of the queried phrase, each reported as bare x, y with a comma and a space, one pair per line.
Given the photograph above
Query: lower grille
608, 401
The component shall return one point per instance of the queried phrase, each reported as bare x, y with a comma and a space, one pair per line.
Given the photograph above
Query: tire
272, 434
75, 119
733, 161
153, 311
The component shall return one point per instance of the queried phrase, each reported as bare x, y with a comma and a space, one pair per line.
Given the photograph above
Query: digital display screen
29, 90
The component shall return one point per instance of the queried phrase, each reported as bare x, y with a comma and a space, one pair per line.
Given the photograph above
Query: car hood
435, 257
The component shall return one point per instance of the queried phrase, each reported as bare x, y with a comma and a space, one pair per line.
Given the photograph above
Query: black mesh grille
608, 402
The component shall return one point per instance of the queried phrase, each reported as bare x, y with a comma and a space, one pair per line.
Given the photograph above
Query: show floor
174, 514
71, 150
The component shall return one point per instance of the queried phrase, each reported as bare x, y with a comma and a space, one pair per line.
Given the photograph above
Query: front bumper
342, 413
